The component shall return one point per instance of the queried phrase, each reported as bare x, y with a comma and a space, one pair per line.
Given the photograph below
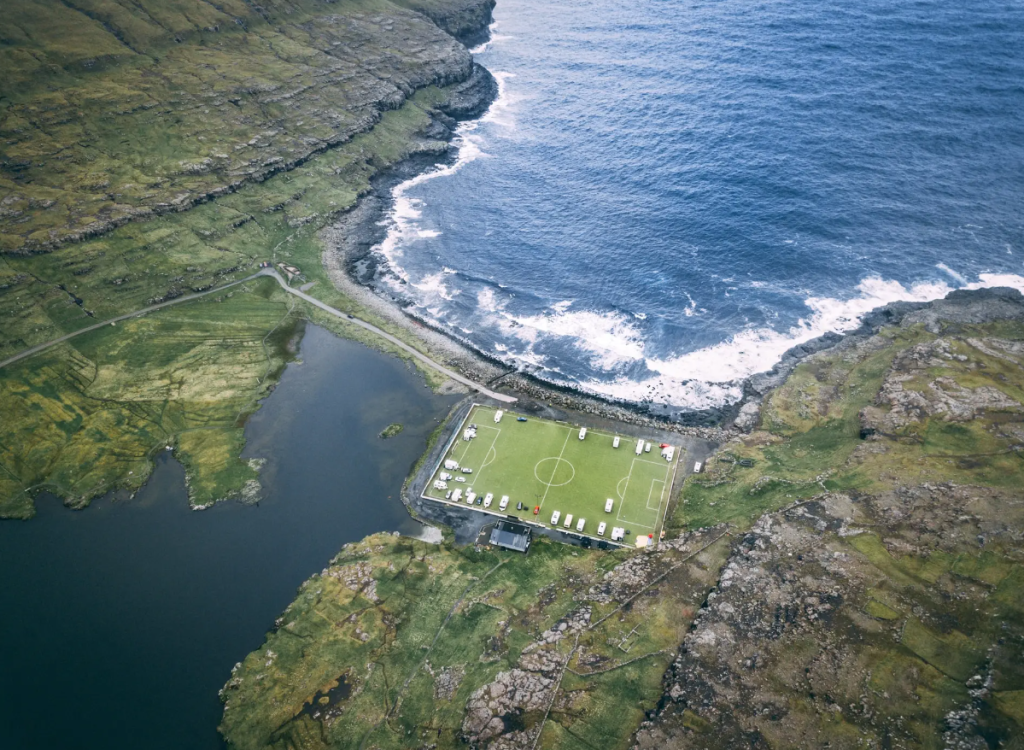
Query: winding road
301, 295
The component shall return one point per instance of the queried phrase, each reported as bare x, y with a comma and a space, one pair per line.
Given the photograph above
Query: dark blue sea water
670, 194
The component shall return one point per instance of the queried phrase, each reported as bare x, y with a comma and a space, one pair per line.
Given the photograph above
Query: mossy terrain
117, 110
882, 605
309, 100
577, 639
87, 416
848, 575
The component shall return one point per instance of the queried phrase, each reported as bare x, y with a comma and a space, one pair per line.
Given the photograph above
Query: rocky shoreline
357, 270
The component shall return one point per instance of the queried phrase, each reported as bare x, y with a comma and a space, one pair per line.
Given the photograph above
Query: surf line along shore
311, 300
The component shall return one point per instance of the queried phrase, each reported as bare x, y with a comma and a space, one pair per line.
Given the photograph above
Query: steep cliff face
116, 111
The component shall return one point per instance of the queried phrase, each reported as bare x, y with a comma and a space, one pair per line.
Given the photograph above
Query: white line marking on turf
497, 431
660, 494
568, 434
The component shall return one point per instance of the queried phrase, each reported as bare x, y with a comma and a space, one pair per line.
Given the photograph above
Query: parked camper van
451, 465
498, 415
583, 432
487, 499
639, 447
615, 442
555, 516
608, 505
697, 467
444, 476
568, 521
647, 447
601, 527
580, 524
456, 496
470, 497
504, 502
439, 485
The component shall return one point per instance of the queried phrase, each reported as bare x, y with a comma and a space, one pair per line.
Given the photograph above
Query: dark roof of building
511, 536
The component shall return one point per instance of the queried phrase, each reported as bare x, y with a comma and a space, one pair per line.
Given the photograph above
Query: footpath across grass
544, 466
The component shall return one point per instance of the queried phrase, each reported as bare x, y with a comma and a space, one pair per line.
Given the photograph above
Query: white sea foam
711, 376
492, 37
957, 277
403, 221
609, 338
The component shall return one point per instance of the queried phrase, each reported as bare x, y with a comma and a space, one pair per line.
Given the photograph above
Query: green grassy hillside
307, 101
860, 587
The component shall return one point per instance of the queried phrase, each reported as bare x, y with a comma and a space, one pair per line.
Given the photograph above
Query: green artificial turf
544, 464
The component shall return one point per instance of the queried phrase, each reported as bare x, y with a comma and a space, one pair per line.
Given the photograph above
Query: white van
456, 496
568, 521
639, 447
647, 447
583, 432
608, 505
618, 533
555, 516
470, 497
601, 527
498, 415
451, 465
504, 502
444, 476
580, 524
439, 485
615, 442
487, 499
697, 467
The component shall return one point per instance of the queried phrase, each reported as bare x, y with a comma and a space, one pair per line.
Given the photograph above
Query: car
467, 471
580, 524
487, 500
601, 527
504, 502
460, 479
608, 505
520, 419
536, 509
555, 516
519, 506
448, 495
351, 316
479, 500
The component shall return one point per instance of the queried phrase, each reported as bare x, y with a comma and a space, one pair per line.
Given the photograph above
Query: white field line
547, 489
622, 505
675, 468
625, 490
480, 470
661, 494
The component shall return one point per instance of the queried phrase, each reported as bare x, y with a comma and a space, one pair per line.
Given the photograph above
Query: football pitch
544, 465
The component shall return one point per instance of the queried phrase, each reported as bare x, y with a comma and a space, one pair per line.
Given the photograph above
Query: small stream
119, 623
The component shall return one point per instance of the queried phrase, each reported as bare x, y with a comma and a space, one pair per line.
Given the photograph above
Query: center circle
554, 472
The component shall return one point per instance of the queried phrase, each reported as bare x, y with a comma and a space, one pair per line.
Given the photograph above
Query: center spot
554, 472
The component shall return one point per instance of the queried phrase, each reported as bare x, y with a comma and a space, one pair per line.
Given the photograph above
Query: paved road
388, 337
302, 295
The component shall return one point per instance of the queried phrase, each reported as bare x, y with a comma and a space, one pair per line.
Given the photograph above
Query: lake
121, 622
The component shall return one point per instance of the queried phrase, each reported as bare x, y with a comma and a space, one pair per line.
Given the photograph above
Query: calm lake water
120, 623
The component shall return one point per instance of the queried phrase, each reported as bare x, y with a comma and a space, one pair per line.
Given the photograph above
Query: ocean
668, 195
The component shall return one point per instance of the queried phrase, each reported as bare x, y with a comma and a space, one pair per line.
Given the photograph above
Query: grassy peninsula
849, 571
154, 150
